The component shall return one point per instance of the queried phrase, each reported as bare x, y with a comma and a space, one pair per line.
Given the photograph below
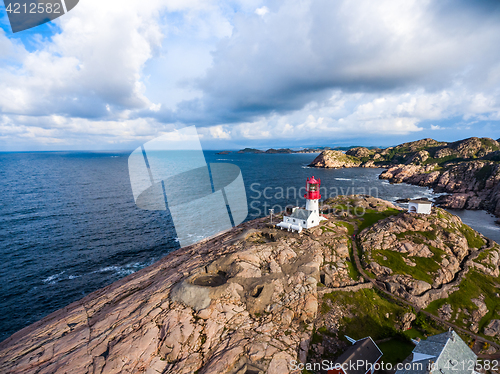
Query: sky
114, 74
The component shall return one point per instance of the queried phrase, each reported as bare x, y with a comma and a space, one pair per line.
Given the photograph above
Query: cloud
262, 11
436, 127
302, 50
249, 70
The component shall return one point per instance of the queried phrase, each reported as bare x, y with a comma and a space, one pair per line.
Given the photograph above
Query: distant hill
469, 169
250, 150
305, 150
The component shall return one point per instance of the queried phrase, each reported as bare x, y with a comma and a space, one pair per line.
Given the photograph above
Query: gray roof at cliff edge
448, 353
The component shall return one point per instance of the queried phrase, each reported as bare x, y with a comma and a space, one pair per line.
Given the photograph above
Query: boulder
493, 328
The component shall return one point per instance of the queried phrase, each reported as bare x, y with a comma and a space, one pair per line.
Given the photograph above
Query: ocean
69, 224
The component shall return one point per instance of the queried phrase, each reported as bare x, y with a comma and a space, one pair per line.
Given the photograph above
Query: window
312, 221
294, 220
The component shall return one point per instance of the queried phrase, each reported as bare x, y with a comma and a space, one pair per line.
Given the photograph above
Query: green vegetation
484, 173
368, 309
316, 338
424, 269
473, 239
488, 143
472, 286
487, 255
371, 217
426, 325
350, 228
325, 229
431, 235
395, 350
351, 267
414, 333
443, 160
325, 308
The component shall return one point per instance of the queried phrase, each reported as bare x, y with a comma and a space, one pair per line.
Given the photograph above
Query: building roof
420, 201
301, 213
365, 350
313, 180
443, 350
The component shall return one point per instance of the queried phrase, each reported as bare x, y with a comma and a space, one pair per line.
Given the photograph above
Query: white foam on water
53, 278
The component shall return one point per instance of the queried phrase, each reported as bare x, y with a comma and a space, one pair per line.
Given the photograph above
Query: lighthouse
305, 218
312, 194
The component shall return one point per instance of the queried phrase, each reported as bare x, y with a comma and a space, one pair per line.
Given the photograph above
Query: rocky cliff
256, 299
438, 263
468, 171
244, 302
335, 159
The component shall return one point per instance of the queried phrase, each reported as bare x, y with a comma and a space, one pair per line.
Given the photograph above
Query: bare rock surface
493, 328
335, 159
244, 301
423, 257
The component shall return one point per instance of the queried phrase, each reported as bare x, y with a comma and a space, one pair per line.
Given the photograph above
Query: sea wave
124, 270
53, 278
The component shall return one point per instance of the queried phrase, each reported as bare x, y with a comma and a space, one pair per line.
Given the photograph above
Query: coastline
262, 315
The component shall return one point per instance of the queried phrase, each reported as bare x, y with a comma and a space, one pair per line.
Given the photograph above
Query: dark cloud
300, 51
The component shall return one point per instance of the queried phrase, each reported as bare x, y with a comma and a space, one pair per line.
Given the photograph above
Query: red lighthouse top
312, 189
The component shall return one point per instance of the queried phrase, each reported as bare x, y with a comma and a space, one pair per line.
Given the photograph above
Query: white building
308, 217
419, 206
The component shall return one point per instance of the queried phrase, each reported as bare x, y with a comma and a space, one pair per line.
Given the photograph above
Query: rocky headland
466, 171
256, 299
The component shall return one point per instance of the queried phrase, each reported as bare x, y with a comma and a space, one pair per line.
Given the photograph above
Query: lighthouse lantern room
309, 217
312, 194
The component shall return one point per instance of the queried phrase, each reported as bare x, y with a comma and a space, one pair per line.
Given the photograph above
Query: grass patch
443, 160
473, 239
368, 309
414, 333
325, 308
316, 338
487, 256
395, 350
371, 217
431, 235
350, 228
427, 325
351, 267
424, 270
472, 286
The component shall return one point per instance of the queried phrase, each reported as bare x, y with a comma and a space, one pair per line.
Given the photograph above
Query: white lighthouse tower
312, 194
308, 217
